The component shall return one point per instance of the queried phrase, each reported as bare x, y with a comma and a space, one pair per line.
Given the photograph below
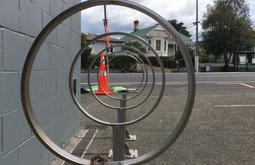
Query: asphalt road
180, 77
221, 129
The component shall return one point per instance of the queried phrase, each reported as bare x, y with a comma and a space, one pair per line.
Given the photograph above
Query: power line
189, 28
191, 24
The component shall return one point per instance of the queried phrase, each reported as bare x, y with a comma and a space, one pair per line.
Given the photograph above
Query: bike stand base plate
131, 138
133, 154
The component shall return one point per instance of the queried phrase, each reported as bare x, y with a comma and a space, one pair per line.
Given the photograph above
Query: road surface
221, 129
180, 77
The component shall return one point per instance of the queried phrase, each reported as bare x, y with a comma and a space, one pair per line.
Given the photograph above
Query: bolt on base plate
132, 153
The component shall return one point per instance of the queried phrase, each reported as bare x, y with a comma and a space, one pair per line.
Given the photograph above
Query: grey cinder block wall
20, 23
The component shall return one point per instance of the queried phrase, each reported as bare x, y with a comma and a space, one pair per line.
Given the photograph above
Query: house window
149, 42
92, 48
165, 46
158, 45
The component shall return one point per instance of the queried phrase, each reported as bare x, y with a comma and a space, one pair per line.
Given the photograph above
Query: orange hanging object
103, 81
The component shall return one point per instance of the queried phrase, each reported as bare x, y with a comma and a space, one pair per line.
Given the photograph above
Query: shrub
179, 57
86, 58
168, 62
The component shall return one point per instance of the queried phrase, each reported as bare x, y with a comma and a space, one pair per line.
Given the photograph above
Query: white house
99, 45
157, 37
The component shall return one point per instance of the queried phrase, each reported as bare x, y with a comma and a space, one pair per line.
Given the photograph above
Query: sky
122, 18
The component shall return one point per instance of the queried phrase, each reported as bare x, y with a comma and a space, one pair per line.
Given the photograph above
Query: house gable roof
90, 37
140, 32
144, 32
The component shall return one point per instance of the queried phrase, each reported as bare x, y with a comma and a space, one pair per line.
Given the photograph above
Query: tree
83, 39
137, 45
179, 26
179, 57
228, 28
86, 57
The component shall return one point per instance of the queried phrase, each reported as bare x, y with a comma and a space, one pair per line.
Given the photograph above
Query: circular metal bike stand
118, 108
109, 106
133, 56
26, 74
138, 61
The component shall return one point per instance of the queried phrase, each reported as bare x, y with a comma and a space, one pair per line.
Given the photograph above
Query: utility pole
197, 40
103, 82
105, 17
107, 40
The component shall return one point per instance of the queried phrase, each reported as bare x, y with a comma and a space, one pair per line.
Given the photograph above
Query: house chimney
136, 25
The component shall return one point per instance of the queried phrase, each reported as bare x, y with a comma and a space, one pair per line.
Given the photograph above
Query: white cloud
252, 10
121, 18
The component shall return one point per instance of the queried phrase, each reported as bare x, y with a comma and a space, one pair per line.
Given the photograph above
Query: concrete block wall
20, 23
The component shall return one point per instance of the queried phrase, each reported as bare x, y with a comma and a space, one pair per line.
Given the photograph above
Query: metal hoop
25, 83
144, 70
128, 98
117, 108
132, 56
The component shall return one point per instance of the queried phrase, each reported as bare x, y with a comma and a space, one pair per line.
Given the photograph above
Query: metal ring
118, 108
128, 98
142, 64
26, 73
137, 59
132, 48
144, 72
131, 55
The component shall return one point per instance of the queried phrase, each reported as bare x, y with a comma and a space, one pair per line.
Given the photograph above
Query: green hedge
179, 57
86, 58
130, 64
127, 62
168, 62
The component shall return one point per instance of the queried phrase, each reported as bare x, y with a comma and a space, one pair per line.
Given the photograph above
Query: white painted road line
88, 146
247, 85
185, 82
80, 137
137, 83
229, 82
233, 106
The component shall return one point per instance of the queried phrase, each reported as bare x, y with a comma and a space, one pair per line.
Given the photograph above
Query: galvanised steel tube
144, 72
134, 56
140, 103
128, 98
25, 83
